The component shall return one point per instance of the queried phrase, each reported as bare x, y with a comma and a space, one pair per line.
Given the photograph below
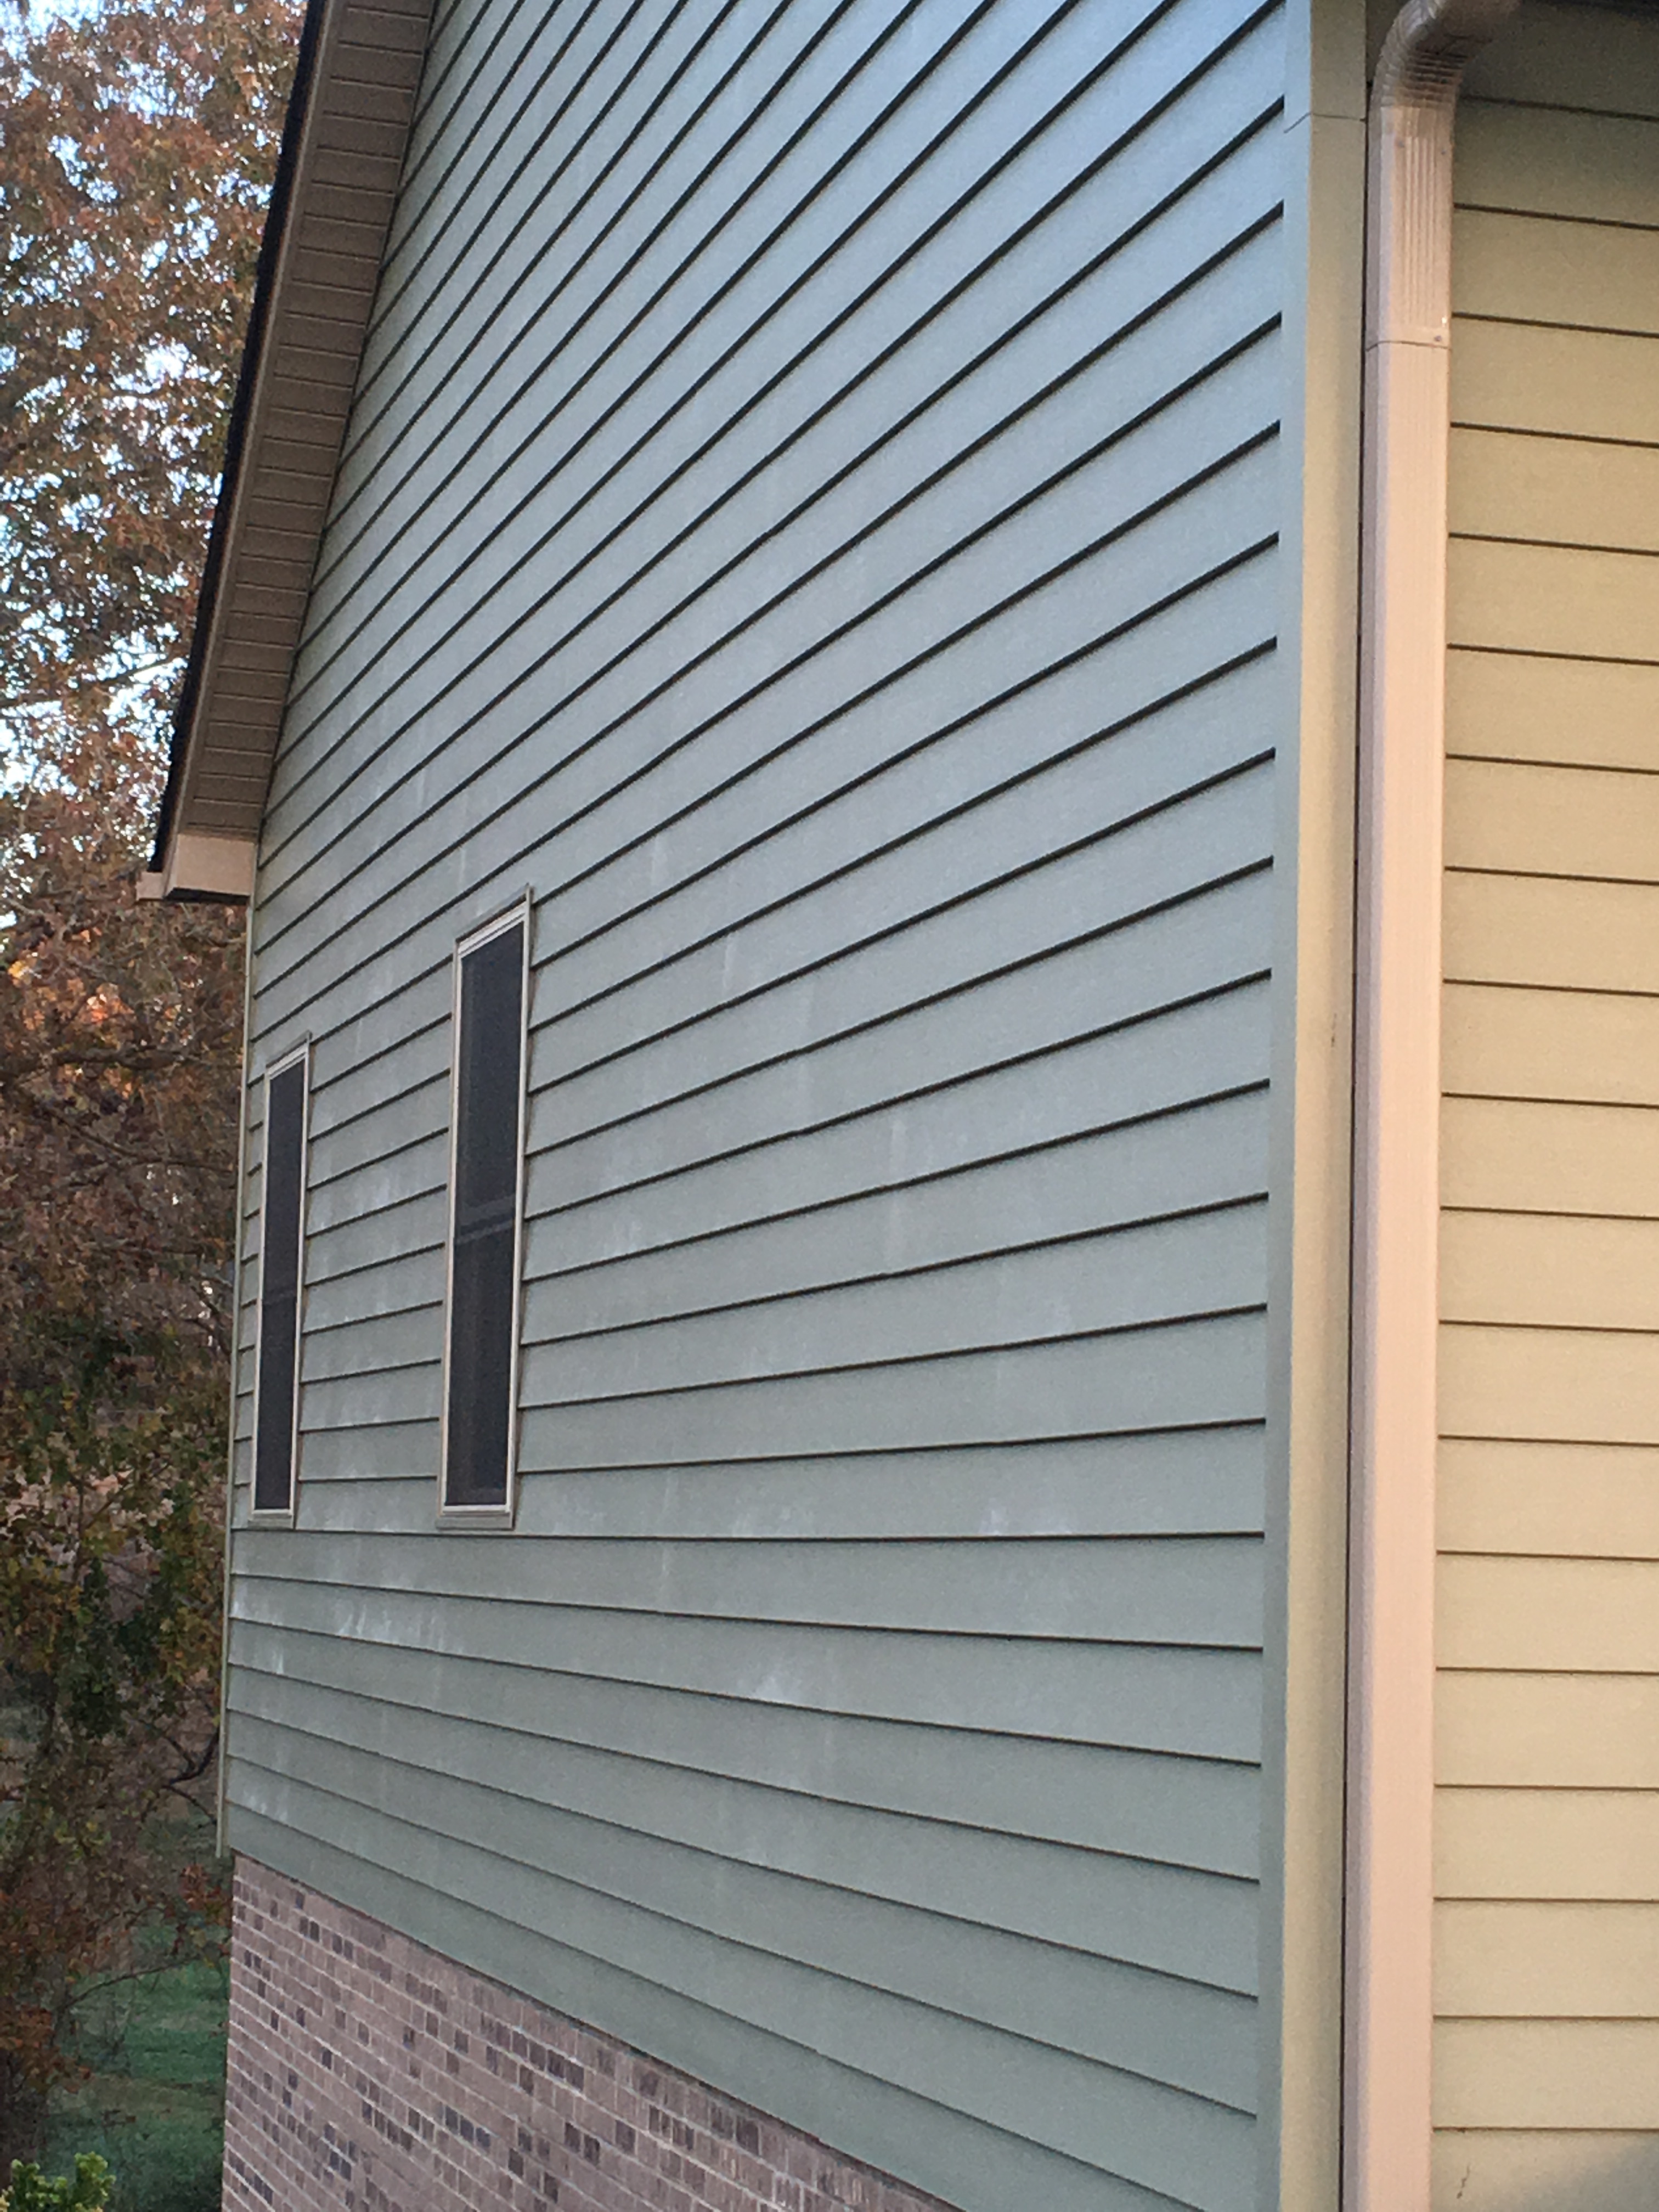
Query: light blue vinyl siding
809, 515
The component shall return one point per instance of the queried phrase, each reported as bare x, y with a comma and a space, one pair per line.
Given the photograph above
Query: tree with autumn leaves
137, 140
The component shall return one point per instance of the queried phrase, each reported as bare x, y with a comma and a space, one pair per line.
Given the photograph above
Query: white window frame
491, 1516
282, 1517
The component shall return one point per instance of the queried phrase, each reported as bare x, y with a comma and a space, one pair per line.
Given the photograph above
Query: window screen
279, 1289
484, 1255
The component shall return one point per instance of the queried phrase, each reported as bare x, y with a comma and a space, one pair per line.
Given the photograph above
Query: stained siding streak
809, 515
1548, 1933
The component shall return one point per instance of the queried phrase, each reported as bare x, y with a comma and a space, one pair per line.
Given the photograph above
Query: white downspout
1389, 1994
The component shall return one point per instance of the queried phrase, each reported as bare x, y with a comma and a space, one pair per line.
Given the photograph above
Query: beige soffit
1389, 2006
355, 81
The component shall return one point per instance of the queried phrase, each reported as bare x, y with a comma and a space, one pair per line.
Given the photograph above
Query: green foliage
31, 2191
154, 2106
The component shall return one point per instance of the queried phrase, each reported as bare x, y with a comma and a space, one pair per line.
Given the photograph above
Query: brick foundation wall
368, 2074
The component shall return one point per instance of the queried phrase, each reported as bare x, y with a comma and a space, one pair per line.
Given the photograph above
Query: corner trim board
1388, 1999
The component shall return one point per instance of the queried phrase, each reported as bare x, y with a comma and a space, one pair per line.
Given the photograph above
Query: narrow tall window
482, 1364
277, 1389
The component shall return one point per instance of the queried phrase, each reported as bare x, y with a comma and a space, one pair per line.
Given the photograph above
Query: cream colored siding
1547, 1830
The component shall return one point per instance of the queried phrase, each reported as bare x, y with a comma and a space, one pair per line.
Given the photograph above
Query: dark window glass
484, 1236
279, 1289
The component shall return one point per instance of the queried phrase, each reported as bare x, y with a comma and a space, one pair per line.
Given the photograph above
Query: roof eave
347, 130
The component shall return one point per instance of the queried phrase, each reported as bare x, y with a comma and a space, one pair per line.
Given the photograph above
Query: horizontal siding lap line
415, 1478
463, 255
1560, 104
377, 1366
434, 130
910, 1679
314, 1331
983, 711
894, 1186
1496, 984
850, 1452
912, 246
923, 1274
1118, 1457
1532, 1098
303, 1654
847, 869
1534, 2015
1186, 1318
820, 641
844, 465
453, 66
1204, 2141
1539, 322
939, 1828
844, 954
1541, 760
466, 258
896, 1014
1600, 438
1098, 838
830, 1888
1247, 839
869, 692
1137, 1019
1107, 738
1598, 1674
1135, 1965
573, 155
1161, 1378
1483, 1437
1533, 1788
378, 1215
981, 717
733, 486
998, 707
368, 899
1476, 870
1556, 544
1491, 1551
886, 1978
978, 1072
304, 1572
1185, 1101
1575, 221
269, 1681
977, 1161
430, 1032
1549, 1212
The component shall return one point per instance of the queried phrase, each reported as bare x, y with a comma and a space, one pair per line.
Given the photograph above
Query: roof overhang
347, 126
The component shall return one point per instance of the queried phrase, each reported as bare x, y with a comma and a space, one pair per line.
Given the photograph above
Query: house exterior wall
366, 2069
811, 516
1547, 1927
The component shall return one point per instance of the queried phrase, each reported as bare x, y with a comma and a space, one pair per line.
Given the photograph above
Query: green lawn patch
153, 2105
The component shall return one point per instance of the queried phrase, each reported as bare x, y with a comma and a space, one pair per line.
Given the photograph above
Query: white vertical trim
1389, 1994
516, 917
281, 1516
